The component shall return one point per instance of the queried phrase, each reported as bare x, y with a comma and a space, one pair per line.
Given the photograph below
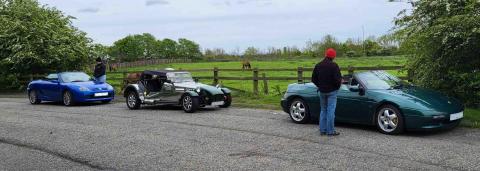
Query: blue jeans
328, 103
101, 79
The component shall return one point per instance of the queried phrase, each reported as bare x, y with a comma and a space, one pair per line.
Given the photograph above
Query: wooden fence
256, 78
147, 62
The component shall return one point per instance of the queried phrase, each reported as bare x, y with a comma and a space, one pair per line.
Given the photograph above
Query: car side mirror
354, 89
361, 91
54, 81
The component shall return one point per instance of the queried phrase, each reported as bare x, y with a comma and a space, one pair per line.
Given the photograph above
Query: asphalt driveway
111, 137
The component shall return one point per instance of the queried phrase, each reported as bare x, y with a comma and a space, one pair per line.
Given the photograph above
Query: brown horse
246, 64
112, 67
132, 78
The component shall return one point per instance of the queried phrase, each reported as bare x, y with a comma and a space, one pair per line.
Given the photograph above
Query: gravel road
111, 137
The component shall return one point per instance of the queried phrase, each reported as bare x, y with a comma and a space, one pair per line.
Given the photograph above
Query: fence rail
256, 78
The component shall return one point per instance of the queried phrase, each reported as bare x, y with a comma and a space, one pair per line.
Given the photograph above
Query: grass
247, 85
472, 118
243, 96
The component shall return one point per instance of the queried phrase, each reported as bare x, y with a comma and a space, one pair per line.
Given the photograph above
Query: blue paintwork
52, 90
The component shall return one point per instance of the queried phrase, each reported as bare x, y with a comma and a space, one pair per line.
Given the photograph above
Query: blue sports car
69, 88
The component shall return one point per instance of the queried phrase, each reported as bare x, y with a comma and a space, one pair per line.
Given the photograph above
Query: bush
444, 39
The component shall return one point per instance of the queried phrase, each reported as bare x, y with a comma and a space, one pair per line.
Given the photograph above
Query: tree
38, 39
134, 47
168, 48
251, 52
188, 49
443, 38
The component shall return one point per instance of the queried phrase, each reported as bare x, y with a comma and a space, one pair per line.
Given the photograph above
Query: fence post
351, 70
255, 81
265, 84
124, 80
300, 74
215, 76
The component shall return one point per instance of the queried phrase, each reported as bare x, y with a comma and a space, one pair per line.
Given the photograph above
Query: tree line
385, 45
146, 46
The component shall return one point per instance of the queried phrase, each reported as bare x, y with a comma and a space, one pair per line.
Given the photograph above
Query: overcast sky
231, 24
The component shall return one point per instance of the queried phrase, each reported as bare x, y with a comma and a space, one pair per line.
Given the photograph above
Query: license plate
100, 94
456, 116
218, 103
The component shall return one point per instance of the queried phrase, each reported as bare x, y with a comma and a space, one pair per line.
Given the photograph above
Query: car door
51, 88
169, 92
353, 105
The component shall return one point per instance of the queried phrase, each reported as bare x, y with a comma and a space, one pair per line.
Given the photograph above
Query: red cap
330, 53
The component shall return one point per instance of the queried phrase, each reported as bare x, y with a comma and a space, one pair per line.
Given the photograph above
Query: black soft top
161, 73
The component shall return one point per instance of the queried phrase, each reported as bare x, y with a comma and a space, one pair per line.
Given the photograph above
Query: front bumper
89, 96
427, 123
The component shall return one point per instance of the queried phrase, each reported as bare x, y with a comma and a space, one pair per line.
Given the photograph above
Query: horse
132, 78
112, 67
246, 65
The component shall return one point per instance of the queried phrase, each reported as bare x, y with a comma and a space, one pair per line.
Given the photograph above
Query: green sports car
377, 98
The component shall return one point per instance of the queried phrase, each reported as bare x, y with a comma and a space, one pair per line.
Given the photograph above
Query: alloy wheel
32, 96
297, 111
67, 98
187, 102
387, 120
132, 100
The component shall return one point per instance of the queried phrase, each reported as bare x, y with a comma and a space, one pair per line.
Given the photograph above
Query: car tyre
68, 98
133, 101
189, 103
299, 111
389, 120
227, 102
33, 98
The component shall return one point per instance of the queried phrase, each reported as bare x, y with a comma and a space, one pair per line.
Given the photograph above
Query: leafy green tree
189, 49
168, 48
443, 38
251, 52
135, 47
38, 39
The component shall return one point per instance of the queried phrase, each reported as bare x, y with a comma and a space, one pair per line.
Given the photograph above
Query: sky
231, 24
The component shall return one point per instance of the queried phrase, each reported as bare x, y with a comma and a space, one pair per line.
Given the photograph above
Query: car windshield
179, 77
69, 77
381, 80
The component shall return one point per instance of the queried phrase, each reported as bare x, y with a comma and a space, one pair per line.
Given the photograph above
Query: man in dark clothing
99, 72
328, 79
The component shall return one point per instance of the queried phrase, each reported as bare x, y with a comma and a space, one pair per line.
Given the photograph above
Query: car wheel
389, 120
299, 112
133, 102
68, 98
190, 104
227, 102
32, 96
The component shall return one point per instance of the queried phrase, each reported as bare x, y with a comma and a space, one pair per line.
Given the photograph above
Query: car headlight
198, 89
84, 89
109, 87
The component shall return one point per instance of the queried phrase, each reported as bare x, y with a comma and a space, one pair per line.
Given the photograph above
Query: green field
247, 85
243, 96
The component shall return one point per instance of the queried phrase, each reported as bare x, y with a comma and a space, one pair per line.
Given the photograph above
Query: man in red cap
328, 79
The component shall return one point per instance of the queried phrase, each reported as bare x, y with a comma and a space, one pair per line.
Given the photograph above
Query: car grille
218, 97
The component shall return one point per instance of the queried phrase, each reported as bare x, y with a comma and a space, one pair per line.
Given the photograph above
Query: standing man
327, 77
99, 72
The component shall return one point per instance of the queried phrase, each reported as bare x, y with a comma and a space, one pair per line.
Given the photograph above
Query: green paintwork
417, 105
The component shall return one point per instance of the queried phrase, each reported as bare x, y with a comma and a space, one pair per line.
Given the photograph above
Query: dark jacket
99, 70
326, 76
